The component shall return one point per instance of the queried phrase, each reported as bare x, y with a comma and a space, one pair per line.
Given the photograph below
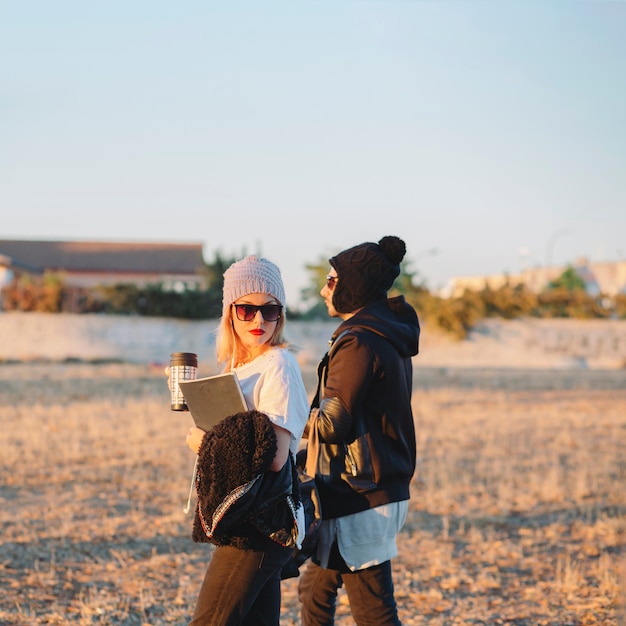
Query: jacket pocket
359, 471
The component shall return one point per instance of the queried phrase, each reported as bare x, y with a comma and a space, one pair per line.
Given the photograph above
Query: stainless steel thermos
183, 366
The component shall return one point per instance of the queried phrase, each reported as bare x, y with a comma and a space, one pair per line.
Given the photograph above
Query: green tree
569, 280
313, 304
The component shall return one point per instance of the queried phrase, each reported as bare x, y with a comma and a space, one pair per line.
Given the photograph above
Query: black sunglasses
247, 312
331, 281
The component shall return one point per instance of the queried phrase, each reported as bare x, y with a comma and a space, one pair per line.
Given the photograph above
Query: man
361, 437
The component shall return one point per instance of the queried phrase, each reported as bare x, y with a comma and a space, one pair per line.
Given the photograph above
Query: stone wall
494, 343
532, 343
60, 337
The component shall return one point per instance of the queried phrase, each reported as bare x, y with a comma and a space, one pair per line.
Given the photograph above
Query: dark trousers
370, 592
241, 588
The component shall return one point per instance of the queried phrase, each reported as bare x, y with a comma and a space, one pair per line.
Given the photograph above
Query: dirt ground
516, 516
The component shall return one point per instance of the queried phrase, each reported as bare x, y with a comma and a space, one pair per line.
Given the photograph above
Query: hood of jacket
393, 318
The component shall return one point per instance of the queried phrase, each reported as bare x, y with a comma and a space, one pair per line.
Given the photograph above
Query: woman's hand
194, 438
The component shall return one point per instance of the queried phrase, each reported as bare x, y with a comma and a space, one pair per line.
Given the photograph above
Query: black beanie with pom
366, 272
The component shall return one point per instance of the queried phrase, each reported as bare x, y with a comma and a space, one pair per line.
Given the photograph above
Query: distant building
91, 263
6, 273
606, 278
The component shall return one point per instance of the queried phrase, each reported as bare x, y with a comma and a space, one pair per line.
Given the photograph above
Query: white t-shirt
272, 384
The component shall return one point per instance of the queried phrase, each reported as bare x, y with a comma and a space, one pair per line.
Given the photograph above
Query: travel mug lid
184, 358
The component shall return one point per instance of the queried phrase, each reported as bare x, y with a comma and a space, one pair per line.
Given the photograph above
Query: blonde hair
228, 346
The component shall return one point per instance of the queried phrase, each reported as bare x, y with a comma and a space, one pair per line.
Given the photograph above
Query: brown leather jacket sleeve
333, 421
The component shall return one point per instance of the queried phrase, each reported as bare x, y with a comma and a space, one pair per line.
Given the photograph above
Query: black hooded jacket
361, 420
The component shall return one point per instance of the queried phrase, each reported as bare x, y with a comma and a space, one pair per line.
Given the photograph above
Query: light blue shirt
364, 539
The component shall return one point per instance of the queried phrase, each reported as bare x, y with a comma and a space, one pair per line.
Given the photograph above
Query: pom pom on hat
366, 272
252, 274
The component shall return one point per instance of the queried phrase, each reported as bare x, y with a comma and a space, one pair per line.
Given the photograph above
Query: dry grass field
517, 514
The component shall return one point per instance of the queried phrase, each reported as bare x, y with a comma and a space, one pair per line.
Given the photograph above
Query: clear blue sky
493, 132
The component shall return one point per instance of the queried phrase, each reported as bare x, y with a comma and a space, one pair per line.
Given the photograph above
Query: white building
607, 278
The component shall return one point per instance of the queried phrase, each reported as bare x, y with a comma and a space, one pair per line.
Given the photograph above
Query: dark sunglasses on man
331, 281
247, 312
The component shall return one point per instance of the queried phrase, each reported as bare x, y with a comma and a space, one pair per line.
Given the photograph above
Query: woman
242, 582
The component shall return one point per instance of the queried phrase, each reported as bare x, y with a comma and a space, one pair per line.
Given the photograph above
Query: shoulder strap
339, 336
322, 370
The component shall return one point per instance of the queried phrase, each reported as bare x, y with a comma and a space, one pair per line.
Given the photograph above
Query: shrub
34, 293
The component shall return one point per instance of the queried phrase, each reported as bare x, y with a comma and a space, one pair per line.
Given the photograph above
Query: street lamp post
550, 244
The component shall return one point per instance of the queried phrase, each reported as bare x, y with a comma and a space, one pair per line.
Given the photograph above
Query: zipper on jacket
353, 468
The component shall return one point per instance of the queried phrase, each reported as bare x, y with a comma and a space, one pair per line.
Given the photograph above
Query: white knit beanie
252, 274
